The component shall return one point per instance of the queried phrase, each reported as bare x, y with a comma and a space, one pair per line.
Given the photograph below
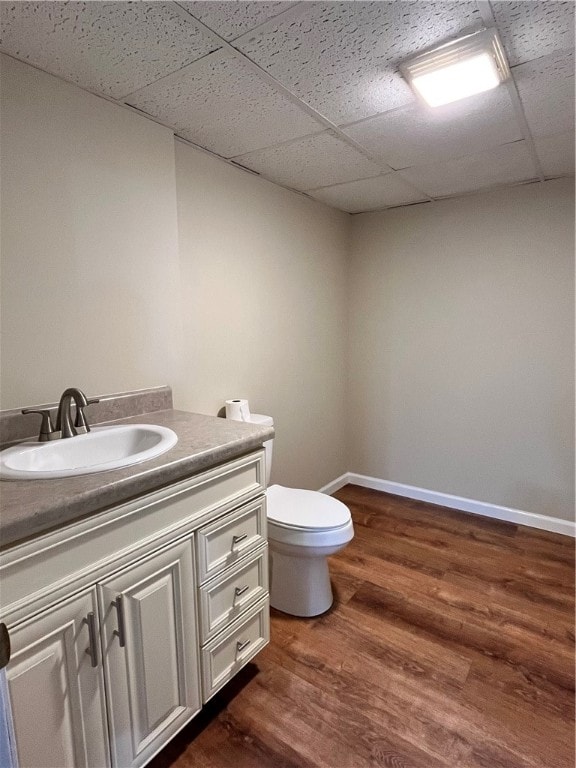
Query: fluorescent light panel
458, 69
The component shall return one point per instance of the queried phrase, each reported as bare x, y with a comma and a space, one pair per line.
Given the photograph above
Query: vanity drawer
230, 651
224, 542
229, 595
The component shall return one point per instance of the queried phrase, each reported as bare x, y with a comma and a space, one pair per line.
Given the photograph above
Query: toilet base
299, 586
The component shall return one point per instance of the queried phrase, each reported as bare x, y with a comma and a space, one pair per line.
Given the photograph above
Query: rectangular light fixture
458, 69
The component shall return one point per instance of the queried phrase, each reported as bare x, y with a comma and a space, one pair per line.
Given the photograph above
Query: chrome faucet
64, 424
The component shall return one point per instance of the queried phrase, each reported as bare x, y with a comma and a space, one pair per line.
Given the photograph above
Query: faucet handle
47, 431
81, 424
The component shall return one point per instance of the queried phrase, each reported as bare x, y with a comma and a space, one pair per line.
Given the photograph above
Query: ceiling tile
546, 88
503, 165
556, 154
417, 134
220, 104
342, 57
232, 19
533, 29
369, 194
312, 162
109, 47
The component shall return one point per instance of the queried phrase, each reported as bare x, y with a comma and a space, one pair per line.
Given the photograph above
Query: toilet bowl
304, 529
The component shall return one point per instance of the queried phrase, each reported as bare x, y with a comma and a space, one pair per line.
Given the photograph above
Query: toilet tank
265, 421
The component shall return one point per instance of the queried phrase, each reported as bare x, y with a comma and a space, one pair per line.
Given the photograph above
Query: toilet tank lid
298, 508
260, 418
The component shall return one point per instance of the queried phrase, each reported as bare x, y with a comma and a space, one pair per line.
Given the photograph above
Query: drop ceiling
309, 94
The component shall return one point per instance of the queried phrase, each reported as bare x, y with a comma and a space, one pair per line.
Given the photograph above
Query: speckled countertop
31, 507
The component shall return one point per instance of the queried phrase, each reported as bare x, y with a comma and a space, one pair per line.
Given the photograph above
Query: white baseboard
340, 482
518, 516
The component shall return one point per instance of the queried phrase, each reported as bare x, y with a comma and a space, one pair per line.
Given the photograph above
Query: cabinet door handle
240, 645
238, 539
4, 646
92, 649
121, 631
240, 590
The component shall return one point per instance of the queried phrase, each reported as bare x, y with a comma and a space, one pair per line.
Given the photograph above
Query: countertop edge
134, 481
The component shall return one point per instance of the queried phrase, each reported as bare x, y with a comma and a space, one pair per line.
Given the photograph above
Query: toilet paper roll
238, 410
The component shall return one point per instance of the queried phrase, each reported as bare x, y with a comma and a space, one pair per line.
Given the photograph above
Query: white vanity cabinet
122, 624
150, 656
57, 695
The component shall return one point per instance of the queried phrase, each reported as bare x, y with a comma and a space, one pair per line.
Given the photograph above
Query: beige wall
96, 295
460, 313
90, 273
264, 286
461, 365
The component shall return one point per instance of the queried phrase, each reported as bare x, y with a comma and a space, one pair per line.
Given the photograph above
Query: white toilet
304, 528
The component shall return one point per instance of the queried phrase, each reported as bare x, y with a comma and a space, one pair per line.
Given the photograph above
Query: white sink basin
99, 450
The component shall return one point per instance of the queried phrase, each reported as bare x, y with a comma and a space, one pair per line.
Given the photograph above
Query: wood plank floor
450, 643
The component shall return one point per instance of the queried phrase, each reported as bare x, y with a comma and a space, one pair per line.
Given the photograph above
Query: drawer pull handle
121, 631
240, 645
238, 539
92, 649
240, 590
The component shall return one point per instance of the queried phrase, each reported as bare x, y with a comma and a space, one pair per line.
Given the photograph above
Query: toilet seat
307, 519
302, 510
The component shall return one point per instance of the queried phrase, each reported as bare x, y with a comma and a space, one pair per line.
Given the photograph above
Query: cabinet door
56, 687
150, 653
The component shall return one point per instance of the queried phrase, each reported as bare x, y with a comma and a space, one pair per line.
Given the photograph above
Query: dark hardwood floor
450, 643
